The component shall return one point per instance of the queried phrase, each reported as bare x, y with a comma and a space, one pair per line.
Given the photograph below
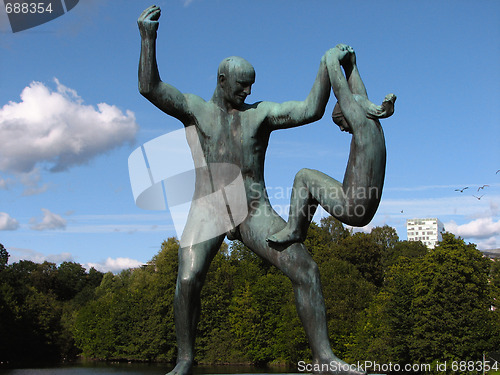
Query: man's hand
148, 21
342, 53
345, 54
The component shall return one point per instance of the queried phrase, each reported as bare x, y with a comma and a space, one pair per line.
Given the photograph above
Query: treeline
38, 303
387, 301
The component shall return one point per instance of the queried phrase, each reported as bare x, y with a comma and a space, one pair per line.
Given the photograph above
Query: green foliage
452, 300
215, 341
365, 254
386, 331
255, 315
132, 317
432, 306
4, 257
385, 236
347, 295
495, 282
404, 249
248, 312
70, 279
35, 322
386, 300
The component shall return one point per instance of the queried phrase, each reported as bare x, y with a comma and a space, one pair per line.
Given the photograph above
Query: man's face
238, 85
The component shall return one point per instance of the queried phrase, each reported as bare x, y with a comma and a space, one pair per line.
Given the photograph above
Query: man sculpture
232, 131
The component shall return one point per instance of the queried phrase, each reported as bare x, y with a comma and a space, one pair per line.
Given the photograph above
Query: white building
426, 230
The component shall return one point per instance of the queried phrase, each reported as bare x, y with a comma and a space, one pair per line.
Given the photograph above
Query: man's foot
182, 368
284, 237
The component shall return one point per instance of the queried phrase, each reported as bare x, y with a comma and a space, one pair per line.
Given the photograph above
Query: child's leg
355, 201
310, 187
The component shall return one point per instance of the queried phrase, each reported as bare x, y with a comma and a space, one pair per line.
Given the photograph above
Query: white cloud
57, 129
5, 183
490, 211
17, 254
490, 243
480, 228
127, 224
7, 222
49, 221
115, 265
31, 182
109, 265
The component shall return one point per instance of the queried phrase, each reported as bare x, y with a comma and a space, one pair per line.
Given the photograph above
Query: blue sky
71, 114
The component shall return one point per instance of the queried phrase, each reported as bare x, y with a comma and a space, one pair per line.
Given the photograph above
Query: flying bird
478, 198
497, 171
462, 190
482, 187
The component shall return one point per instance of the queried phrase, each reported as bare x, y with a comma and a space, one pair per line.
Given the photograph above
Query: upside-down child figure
355, 200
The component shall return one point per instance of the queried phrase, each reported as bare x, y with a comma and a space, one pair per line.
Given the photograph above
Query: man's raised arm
164, 96
296, 113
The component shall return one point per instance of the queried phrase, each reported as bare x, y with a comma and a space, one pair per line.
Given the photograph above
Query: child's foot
284, 237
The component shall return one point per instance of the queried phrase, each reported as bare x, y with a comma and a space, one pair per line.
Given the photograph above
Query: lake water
100, 368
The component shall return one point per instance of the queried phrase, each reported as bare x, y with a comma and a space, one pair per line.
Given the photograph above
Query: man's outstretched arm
164, 96
296, 113
336, 57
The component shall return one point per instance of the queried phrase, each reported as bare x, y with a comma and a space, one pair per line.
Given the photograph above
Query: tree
255, 316
44, 277
347, 292
30, 328
388, 239
365, 254
4, 257
334, 229
452, 303
384, 335
385, 236
405, 249
322, 239
71, 279
215, 343
495, 282
132, 315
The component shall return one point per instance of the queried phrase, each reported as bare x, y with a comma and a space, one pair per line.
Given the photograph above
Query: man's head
235, 78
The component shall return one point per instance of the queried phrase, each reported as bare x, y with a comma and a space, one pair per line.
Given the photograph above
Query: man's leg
296, 263
194, 262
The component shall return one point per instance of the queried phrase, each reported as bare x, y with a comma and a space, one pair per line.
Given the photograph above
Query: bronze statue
232, 131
